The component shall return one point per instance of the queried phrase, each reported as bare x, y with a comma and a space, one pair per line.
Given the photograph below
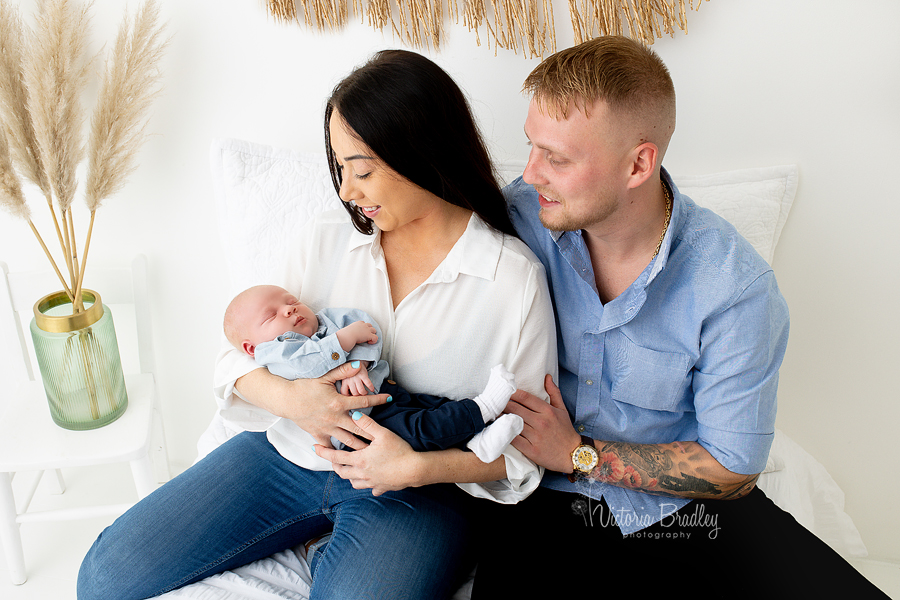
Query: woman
428, 250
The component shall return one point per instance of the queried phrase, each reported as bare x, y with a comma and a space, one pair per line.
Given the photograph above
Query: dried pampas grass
43, 75
14, 110
11, 196
13, 200
56, 73
130, 84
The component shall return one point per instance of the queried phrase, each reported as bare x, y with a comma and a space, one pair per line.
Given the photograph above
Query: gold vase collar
67, 323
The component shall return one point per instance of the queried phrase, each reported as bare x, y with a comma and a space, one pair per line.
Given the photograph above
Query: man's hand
681, 469
548, 437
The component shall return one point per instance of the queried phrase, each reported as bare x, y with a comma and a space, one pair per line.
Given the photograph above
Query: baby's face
270, 311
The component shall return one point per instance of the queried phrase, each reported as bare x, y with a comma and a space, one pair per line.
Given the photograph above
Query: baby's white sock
489, 443
493, 399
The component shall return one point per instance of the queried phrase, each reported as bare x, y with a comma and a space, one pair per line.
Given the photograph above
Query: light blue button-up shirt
295, 356
689, 352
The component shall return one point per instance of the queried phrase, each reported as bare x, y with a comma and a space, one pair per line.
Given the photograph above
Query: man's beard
562, 220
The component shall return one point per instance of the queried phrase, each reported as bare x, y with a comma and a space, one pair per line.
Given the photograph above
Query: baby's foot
493, 399
490, 442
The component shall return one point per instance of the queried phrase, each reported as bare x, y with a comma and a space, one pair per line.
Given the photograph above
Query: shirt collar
659, 263
359, 239
476, 252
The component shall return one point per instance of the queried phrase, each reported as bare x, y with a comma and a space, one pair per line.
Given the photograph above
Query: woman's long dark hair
414, 118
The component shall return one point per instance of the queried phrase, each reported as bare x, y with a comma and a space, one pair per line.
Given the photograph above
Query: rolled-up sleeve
735, 382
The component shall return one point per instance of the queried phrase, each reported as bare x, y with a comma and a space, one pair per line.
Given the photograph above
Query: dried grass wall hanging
509, 24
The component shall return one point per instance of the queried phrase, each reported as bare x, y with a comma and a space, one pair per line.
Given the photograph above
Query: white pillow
263, 196
755, 201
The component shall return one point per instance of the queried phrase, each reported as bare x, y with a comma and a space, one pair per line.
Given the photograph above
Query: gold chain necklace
668, 196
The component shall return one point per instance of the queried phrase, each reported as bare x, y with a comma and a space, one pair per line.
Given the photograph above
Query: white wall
763, 82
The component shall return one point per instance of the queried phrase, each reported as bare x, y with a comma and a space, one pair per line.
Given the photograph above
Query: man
672, 330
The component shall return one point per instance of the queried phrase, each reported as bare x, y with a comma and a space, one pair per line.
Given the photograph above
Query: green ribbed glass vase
78, 356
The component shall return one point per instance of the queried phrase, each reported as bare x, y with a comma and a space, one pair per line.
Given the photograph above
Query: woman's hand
325, 413
313, 404
386, 463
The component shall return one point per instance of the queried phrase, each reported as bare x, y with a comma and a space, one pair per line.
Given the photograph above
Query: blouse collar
476, 252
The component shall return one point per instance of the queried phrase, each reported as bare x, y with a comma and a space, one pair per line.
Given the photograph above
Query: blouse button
335, 356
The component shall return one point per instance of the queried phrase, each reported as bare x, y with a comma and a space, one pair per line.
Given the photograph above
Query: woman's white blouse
487, 303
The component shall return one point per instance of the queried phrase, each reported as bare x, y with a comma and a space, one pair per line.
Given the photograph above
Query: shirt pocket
647, 378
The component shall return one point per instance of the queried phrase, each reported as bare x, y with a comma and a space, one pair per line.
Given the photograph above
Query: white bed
262, 193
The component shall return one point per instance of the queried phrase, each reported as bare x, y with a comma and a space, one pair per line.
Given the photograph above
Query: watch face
585, 459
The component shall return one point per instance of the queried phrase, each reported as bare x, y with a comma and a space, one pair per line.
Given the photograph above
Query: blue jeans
244, 501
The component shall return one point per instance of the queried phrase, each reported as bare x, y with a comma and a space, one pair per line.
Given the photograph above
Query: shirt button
335, 356
589, 381
581, 429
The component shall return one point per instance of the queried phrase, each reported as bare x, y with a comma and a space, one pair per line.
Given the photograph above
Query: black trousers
428, 422
561, 545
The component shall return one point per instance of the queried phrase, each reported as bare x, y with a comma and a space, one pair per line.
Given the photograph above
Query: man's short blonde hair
629, 77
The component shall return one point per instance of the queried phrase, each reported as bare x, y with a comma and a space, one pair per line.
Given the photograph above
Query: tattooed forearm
682, 469
651, 459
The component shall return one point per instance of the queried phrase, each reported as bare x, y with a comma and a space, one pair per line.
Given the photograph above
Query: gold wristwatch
584, 458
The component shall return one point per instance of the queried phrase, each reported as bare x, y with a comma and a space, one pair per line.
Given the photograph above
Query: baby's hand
365, 332
357, 385
359, 332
